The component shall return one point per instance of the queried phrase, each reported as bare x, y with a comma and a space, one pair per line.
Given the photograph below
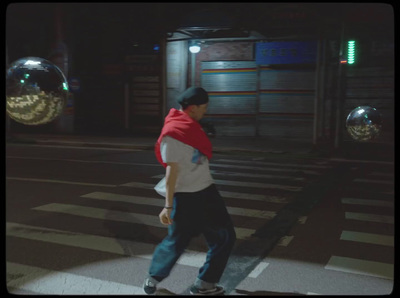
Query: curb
94, 145
146, 147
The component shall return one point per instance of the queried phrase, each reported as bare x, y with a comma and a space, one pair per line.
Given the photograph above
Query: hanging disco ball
36, 91
364, 123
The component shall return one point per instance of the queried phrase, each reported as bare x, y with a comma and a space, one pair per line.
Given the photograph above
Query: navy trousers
202, 212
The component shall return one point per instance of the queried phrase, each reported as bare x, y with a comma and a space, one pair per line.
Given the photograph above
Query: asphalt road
85, 221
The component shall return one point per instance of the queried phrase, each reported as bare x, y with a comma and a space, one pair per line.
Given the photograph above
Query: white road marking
362, 161
258, 269
160, 203
388, 175
89, 161
98, 243
247, 175
370, 217
49, 282
213, 165
93, 146
226, 182
257, 197
266, 163
105, 214
251, 175
285, 240
367, 238
225, 194
139, 185
258, 185
373, 181
363, 267
302, 219
379, 203
106, 196
60, 181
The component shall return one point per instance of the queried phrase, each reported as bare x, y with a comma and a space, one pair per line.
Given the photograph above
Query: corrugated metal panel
229, 76
233, 126
289, 94
233, 91
287, 102
271, 79
232, 104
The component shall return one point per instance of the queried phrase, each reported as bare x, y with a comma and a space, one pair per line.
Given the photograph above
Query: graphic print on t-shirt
197, 157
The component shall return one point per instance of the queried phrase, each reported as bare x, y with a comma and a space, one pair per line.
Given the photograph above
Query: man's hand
170, 181
165, 216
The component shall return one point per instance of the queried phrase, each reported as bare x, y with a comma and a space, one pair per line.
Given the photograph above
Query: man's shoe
149, 287
218, 290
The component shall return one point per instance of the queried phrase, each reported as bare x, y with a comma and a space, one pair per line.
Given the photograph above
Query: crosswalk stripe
139, 185
258, 269
363, 267
98, 243
267, 163
60, 181
370, 217
388, 175
44, 281
160, 203
225, 182
214, 165
367, 238
257, 185
89, 161
228, 194
251, 175
353, 201
124, 198
373, 181
248, 175
104, 214
257, 197
225, 194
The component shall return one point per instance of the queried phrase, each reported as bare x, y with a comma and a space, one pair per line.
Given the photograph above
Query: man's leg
168, 251
220, 235
220, 242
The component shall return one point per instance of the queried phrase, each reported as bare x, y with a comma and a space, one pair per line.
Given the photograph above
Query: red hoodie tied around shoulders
180, 126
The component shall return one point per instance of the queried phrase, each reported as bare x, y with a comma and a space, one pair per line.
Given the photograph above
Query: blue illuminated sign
286, 52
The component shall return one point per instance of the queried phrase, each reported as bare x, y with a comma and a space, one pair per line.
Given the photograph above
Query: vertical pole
322, 94
8, 122
193, 56
317, 98
339, 105
163, 48
126, 104
258, 104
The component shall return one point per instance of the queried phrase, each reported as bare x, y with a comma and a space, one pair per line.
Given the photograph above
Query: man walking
193, 205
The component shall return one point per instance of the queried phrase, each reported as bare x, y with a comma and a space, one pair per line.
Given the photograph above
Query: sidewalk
247, 145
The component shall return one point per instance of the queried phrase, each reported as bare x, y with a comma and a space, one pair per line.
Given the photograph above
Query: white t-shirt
193, 167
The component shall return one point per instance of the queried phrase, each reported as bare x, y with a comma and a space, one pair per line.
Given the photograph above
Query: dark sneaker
218, 290
149, 287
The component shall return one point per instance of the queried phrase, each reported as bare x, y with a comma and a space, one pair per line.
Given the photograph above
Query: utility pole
340, 92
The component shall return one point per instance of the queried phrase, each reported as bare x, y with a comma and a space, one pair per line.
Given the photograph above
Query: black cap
193, 96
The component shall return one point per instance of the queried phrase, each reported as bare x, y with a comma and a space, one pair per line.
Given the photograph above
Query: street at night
85, 220
284, 112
